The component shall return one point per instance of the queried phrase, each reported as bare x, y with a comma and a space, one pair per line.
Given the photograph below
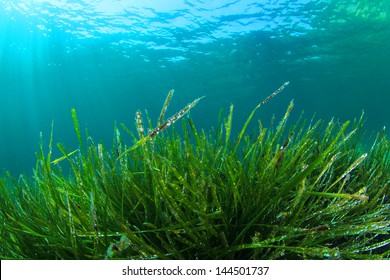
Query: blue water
109, 58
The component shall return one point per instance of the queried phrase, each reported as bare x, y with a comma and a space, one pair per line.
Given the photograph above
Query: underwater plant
302, 192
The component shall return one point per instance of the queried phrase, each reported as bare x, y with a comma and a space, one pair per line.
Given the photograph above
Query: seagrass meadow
306, 190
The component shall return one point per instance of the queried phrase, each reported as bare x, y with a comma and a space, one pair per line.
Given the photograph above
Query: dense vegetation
305, 191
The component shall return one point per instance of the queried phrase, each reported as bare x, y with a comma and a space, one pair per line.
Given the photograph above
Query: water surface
109, 58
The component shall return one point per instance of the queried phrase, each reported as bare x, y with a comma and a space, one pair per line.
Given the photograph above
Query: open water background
109, 58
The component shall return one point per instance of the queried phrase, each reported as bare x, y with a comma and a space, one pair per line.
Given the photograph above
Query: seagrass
309, 190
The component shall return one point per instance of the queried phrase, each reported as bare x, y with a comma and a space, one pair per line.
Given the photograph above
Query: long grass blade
165, 107
241, 134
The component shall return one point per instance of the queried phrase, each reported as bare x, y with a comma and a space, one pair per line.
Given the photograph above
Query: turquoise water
109, 58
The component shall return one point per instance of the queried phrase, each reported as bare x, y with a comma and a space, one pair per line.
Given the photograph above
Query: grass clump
300, 192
